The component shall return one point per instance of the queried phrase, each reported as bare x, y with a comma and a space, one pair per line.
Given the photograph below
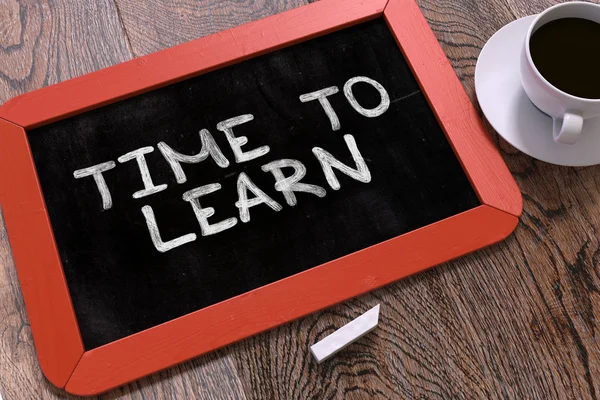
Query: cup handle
567, 129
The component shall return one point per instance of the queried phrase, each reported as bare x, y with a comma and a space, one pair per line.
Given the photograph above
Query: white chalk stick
347, 334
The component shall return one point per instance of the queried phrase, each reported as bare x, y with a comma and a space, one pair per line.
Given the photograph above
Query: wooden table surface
518, 320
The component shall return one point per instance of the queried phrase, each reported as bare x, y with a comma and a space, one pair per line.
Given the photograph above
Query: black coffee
567, 53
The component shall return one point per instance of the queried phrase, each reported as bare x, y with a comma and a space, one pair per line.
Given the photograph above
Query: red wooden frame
53, 323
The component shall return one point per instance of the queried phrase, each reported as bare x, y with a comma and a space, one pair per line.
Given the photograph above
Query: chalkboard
176, 203
391, 170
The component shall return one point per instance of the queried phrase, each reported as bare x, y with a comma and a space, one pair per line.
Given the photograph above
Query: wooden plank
212, 377
44, 43
156, 25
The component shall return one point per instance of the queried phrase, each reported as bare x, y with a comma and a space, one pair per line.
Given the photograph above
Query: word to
286, 185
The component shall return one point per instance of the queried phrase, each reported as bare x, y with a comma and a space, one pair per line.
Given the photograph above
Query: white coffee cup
568, 112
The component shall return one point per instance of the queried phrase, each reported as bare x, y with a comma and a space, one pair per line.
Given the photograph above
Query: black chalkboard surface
121, 284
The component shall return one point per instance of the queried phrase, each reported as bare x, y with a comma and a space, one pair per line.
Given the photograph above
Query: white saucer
511, 113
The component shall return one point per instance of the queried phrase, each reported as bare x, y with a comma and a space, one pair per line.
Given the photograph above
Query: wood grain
44, 42
518, 320
158, 24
